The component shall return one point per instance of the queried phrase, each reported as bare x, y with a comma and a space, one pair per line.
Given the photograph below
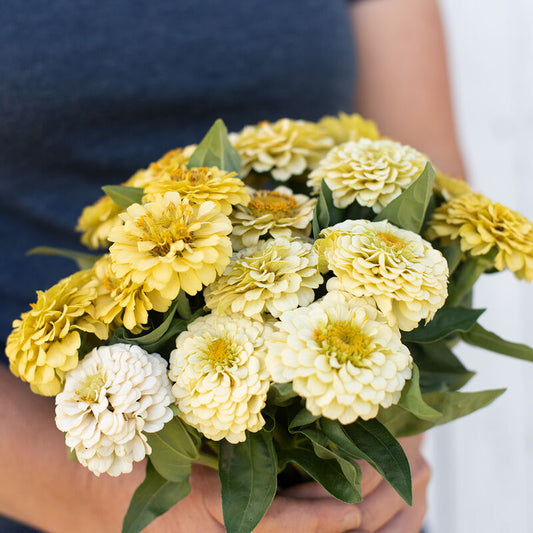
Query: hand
308, 508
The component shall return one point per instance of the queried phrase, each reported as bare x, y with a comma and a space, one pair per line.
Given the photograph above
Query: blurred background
483, 464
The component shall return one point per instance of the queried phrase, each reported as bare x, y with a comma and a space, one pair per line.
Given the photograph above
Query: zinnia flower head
121, 301
44, 342
274, 276
373, 172
96, 222
170, 244
402, 272
278, 213
221, 381
173, 160
115, 395
341, 355
482, 226
200, 185
448, 187
352, 127
285, 148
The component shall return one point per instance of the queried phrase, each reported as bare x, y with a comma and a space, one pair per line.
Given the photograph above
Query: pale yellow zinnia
353, 127
278, 213
170, 244
274, 276
373, 172
44, 342
404, 274
200, 185
96, 222
483, 226
448, 187
285, 148
341, 355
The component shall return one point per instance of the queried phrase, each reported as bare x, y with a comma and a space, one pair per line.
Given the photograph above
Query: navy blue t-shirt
90, 91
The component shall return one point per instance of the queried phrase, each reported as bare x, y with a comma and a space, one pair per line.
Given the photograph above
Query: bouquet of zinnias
278, 304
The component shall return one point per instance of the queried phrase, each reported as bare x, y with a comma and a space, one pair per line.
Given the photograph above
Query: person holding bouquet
92, 92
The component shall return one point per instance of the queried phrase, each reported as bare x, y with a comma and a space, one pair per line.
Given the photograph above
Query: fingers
310, 515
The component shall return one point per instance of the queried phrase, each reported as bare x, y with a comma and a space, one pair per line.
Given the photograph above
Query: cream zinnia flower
169, 245
482, 226
349, 127
200, 185
278, 213
45, 340
341, 356
120, 301
116, 394
371, 172
285, 148
274, 276
221, 382
402, 272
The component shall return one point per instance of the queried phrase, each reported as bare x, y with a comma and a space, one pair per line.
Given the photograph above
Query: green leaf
349, 492
215, 150
248, 477
281, 394
325, 213
83, 260
326, 470
370, 440
478, 336
356, 211
302, 418
440, 370
408, 210
174, 449
412, 400
453, 255
153, 497
446, 321
124, 195
452, 405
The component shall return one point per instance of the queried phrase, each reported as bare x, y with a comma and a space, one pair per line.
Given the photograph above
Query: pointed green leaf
124, 195
281, 394
446, 321
174, 449
215, 150
412, 400
83, 260
371, 441
440, 370
153, 497
478, 336
248, 477
408, 210
325, 213
452, 405
302, 418
453, 255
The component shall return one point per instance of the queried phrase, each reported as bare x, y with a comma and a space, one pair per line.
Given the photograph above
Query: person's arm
402, 79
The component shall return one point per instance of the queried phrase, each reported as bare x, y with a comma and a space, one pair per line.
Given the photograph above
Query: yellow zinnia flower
397, 268
279, 213
349, 127
285, 148
371, 172
169, 244
45, 340
96, 222
483, 226
200, 185
449, 187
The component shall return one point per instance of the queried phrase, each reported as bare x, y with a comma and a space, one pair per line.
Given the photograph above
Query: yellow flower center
272, 203
169, 161
220, 352
170, 227
391, 241
345, 341
90, 389
195, 176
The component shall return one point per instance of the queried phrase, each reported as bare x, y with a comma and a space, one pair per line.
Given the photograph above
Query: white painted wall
483, 464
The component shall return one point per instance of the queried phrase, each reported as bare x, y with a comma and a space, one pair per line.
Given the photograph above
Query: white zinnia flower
373, 172
274, 276
341, 356
114, 395
404, 274
221, 381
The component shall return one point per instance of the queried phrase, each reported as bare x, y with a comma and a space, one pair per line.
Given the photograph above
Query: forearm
402, 76
40, 485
